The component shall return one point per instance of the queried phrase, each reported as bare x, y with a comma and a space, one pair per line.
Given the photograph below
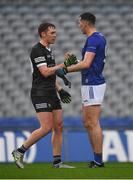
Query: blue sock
98, 157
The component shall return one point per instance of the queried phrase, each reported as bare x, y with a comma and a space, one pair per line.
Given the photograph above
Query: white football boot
18, 158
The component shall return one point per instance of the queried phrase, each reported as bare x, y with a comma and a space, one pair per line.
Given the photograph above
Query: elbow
85, 66
45, 75
47, 72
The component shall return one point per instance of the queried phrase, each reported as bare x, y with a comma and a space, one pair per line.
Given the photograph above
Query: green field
46, 171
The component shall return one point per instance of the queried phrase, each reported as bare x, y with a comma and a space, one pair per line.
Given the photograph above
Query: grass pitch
46, 171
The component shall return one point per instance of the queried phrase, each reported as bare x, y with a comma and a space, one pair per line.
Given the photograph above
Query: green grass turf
46, 171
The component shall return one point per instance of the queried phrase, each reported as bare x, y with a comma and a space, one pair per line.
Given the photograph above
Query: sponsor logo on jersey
40, 59
50, 56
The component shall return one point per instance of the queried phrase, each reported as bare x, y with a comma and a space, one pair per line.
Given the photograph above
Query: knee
45, 130
89, 124
58, 128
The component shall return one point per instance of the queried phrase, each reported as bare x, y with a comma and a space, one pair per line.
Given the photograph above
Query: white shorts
92, 94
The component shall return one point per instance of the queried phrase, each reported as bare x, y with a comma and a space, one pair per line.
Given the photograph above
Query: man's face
82, 25
50, 35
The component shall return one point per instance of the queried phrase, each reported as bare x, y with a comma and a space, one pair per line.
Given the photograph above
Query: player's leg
57, 133
91, 115
92, 98
57, 136
45, 117
46, 124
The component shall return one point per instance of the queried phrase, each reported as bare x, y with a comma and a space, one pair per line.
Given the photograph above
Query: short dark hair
87, 16
44, 27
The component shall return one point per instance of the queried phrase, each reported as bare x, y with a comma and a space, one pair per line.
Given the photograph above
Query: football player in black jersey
44, 97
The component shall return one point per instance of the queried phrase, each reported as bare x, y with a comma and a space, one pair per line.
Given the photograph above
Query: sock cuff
22, 149
57, 159
57, 156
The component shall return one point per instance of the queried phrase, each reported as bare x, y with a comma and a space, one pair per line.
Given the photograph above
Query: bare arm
48, 71
89, 56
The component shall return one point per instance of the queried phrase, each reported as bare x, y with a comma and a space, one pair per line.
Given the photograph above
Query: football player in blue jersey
93, 82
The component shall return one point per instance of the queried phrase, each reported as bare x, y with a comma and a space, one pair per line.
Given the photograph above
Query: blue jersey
95, 43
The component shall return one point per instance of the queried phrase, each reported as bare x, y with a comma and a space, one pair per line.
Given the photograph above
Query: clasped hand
70, 59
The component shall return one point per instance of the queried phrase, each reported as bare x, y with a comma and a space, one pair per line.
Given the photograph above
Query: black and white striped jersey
40, 55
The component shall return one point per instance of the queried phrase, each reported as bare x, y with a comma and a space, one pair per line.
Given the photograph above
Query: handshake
70, 59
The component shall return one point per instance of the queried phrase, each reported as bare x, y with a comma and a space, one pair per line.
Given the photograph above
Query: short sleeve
40, 60
92, 44
38, 57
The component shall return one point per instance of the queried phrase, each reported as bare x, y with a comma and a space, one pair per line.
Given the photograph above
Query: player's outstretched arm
48, 71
